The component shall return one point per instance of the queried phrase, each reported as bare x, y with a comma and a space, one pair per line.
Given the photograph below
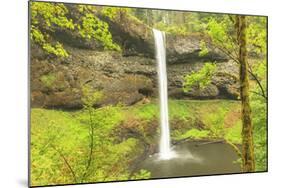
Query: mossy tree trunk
247, 130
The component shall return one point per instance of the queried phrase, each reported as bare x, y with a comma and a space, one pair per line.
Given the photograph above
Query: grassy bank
61, 153
208, 119
60, 140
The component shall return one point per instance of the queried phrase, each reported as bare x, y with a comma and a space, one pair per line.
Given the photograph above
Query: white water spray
165, 148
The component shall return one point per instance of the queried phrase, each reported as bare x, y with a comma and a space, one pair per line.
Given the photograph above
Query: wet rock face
185, 49
224, 83
54, 86
127, 77
125, 80
121, 80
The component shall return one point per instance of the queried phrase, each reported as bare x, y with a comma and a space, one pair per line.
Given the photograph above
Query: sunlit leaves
220, 32
110, 12
93, 27
114, 12
55, 49
90, 97
47, 18
200, 79
259, 110
203, 49
256, 35
50, 14
259, 67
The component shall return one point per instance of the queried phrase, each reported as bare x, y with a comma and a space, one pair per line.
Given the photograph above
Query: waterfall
165, 148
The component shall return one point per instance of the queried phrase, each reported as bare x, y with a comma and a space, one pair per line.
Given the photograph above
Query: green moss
145, 111
233, 134
142, 174
215, 121
48, 79
193, 134
180, 109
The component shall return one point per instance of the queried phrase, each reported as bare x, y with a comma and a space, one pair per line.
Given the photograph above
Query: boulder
224, 83
185, 49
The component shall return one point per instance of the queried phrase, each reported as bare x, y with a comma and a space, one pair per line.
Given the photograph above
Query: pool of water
192, 159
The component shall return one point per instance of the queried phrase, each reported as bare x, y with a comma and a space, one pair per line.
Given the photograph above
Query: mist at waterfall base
190, 158
193, 158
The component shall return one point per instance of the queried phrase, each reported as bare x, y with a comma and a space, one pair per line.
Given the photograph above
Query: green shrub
200, 79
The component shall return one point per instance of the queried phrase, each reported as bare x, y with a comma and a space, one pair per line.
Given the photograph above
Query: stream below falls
193, 158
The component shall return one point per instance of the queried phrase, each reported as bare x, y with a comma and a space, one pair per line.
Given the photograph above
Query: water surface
193, 159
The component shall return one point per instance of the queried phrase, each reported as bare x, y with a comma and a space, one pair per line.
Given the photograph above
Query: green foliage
203, 49
200, 79
52, 14
215, 117
259, 68
177, 110
55, 49
91, 27
233, 134
46, 18
256, 35
90, 97
48, 79
212, 113
54, 132
114, 13
142, 174
68, 133
180, 110
110, 12
221, 32
146, 111
193, 134
223, 36
259, 118
216, 122
173, 29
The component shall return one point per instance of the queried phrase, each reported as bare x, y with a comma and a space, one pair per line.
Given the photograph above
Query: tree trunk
247, 130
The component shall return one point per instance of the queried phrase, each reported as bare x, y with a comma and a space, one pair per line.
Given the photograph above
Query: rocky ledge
125, 80
127, 77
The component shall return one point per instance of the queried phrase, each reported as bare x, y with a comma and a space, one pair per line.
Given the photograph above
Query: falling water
165, 148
